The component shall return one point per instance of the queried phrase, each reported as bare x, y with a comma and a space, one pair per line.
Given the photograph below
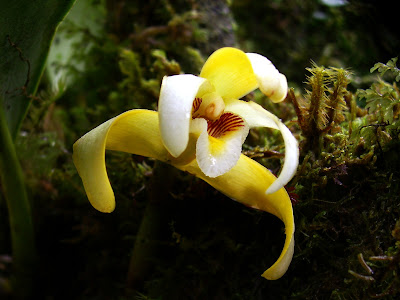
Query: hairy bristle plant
322, 107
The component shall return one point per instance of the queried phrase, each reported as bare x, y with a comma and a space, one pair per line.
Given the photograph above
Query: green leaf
19, 211
389, 66
27, 28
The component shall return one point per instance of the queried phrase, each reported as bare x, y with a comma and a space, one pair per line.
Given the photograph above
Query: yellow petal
272, 83
247, 182
231, 73
135, 131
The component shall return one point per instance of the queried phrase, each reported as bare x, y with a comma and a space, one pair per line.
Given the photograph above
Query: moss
349, 195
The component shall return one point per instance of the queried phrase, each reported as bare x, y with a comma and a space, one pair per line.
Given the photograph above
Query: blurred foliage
345, 195
352, 33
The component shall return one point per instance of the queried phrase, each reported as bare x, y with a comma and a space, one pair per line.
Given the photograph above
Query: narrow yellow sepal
246, 183
135, 131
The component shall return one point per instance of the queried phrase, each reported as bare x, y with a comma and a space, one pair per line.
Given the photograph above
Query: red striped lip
228, 122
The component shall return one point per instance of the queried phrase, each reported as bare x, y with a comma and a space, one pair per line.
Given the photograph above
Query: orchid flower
199, 128
208, 105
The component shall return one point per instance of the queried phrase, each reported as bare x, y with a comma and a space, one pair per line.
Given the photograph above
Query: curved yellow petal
231, 73
246, 182
272, 83
135, 131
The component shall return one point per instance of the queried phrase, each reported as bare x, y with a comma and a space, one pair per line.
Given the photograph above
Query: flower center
219, 123
210, 107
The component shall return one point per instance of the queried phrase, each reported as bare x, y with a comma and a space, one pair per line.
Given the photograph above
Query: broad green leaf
83, 24
27, 28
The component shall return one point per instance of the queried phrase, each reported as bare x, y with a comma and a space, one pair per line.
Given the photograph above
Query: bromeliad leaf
26, 32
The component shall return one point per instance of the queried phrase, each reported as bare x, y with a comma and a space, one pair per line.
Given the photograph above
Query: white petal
216, 156
291, 159
175, 108
272, 83
256, 116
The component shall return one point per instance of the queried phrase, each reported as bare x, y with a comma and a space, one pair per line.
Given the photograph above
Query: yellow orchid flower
208, 105
200, 128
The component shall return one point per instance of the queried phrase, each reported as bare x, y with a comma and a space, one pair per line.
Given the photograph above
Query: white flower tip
216, 164
277, 89
283, 178
291, 160
271, 83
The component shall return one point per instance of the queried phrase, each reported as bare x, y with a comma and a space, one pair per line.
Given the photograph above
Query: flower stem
154, 227
21, 226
